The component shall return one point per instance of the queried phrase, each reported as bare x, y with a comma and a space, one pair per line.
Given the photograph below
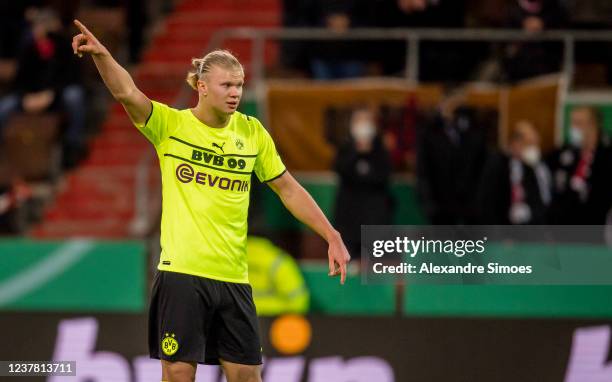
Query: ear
202, 87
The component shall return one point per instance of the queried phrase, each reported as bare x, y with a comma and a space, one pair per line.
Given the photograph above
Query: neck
209, 117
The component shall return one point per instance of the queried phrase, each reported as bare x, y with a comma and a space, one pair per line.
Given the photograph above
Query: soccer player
202, 308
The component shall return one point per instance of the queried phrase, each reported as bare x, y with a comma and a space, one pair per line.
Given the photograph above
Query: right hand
86, 42
338, 257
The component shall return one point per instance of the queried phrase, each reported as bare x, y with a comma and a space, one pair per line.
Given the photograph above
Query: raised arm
115, 77
304, 208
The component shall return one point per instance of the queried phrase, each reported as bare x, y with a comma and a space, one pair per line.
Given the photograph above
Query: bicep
138, 107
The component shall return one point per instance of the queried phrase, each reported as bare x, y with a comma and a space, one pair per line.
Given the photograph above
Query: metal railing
412, 38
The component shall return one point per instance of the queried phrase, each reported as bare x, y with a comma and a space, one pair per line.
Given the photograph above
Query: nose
234, 92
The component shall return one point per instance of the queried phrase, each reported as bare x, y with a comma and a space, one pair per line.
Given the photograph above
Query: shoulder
250, 125
164, 109
247, 120
167, 107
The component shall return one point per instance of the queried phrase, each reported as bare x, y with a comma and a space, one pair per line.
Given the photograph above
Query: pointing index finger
82, 28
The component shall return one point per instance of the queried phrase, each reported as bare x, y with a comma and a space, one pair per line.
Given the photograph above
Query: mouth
232, 104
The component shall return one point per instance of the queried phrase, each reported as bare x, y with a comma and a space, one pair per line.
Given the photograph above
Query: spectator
295, 53
364, 168
47, 79
581, 171
12, 23
516, 187
528, 59
337, 59
451, 152
278, 285
435, 56
398, 125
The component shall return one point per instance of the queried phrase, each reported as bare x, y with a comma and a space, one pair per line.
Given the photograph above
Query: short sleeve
160, 122
268, 165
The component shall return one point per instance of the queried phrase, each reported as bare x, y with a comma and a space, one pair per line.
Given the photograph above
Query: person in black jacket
451, 153
582, 172
515, 186
363, 166
337, 59
529, 59
47, 78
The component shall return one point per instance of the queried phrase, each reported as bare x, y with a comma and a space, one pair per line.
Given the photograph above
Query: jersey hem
205, 275
150, 114
276, 177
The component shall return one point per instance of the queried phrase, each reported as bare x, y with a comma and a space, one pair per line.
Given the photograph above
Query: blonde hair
222, 58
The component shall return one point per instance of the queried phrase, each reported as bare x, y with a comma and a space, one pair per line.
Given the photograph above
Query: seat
31, 146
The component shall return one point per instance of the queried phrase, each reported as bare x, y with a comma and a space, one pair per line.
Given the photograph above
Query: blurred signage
113, 347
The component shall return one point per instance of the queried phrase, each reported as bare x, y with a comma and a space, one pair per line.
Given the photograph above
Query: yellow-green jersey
206, 180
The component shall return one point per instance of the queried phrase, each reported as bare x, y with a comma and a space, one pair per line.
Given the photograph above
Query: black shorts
196, 319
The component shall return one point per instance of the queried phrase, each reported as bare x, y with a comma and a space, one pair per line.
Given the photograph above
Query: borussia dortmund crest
239, 144
169, 344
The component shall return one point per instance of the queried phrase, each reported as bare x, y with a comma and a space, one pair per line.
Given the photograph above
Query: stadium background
80, 224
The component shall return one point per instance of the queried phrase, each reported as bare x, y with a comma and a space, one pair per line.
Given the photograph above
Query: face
222, 89
527, 136
584, 120
363, 126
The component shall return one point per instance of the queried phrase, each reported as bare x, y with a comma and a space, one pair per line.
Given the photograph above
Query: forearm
115, 77
301, 205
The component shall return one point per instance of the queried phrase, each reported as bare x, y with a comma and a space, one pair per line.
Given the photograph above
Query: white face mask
363, 131
576, 136
531, 155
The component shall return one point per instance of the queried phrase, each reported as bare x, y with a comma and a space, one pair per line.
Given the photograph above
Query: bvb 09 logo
169, 344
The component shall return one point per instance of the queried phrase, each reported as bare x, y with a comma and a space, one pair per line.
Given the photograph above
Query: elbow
123, 96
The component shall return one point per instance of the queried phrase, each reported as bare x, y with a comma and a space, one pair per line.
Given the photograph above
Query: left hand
338, 258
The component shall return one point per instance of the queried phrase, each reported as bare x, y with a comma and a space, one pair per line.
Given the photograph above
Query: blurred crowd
453, 61
462, 178
518, 184
50, 102
47, 78
43, 104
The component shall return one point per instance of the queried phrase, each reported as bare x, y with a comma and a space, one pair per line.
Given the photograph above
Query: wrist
102, 53
332, 236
